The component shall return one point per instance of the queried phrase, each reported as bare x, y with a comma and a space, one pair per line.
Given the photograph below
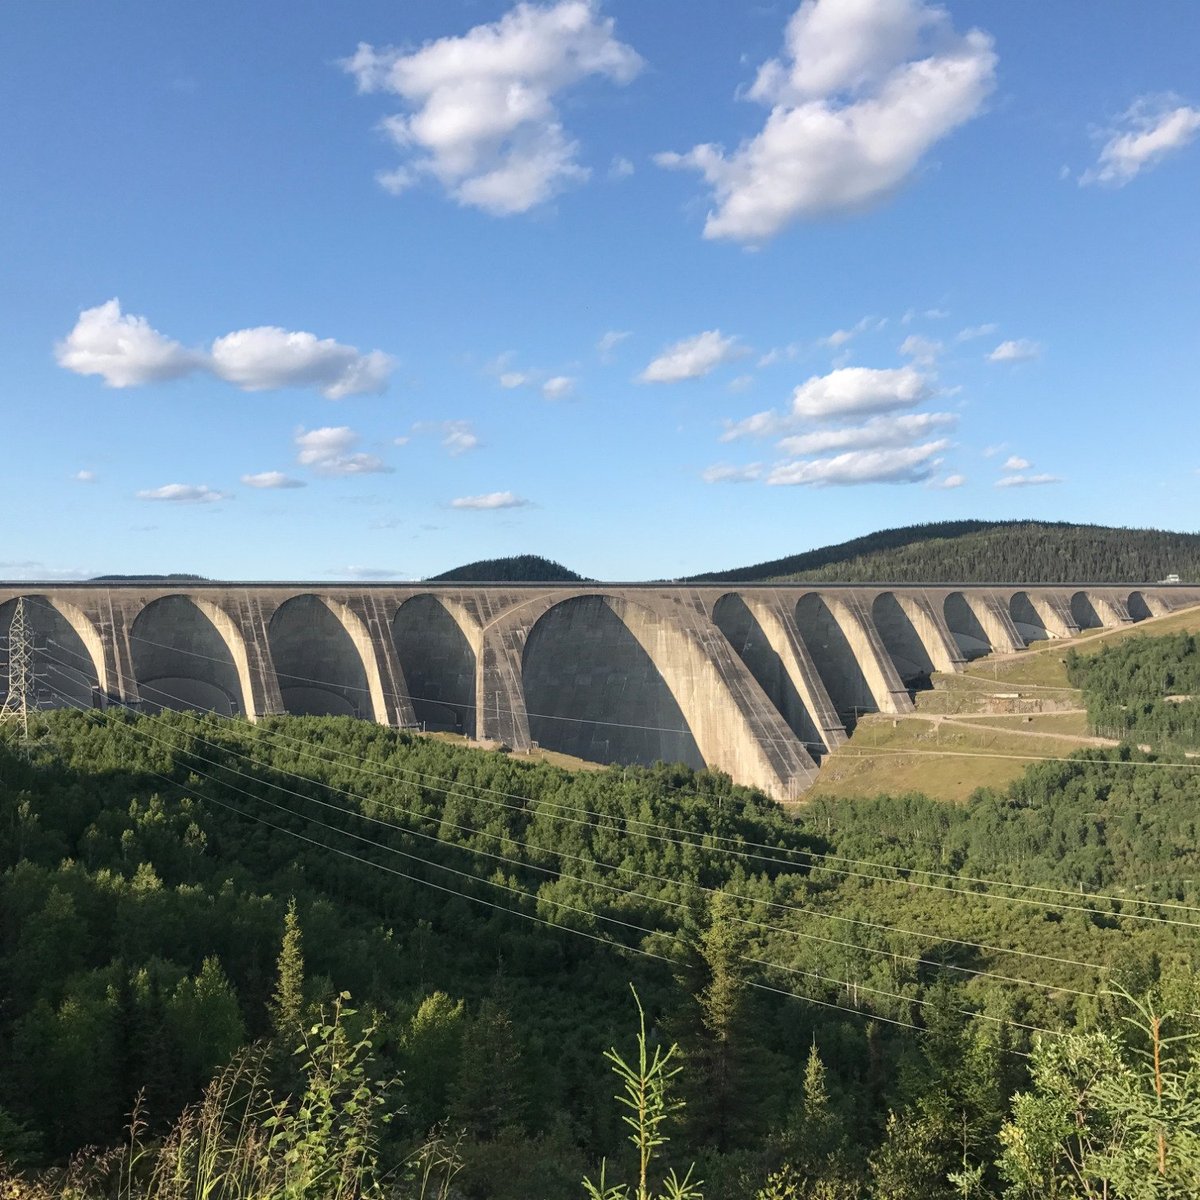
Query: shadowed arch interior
1139, 610
592, 691
438, 664
835, 659
1084, 611
65, 672
746, 635
181, 661
319, 668
902, 641
966, 627
1026, 618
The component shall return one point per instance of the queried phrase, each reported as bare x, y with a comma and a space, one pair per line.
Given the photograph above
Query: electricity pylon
20, 672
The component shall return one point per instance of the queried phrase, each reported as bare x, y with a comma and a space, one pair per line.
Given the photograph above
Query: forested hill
518, 568
982, 551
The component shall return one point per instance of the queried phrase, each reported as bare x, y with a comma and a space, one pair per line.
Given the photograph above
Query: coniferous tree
287, 1001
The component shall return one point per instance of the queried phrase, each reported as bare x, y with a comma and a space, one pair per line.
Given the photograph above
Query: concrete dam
758, 681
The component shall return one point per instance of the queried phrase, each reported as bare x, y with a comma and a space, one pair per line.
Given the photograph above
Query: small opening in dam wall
835, 659
966, 627
65, 672
181, 661
1139, 610
1027, 619
746, 635
320, 670
902, 641
592, 691
438, 665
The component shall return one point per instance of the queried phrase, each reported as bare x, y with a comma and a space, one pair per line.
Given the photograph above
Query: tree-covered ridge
174, 887
988, 551
1143, 689
517, 568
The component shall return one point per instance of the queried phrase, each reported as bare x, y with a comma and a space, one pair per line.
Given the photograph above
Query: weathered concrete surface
752, 680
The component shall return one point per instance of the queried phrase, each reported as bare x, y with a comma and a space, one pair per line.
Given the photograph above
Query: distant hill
983, 551
518, 568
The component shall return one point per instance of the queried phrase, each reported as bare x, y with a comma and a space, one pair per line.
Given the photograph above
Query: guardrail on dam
758, 681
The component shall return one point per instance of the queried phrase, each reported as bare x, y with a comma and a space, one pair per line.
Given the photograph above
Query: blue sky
373, 289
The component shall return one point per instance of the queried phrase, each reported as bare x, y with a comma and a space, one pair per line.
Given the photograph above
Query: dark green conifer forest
889, 997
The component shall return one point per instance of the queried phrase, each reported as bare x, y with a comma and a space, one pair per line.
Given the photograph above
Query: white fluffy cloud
272, 479
268, 357
1152, 128
124, 350
950, 482
692, 358
84, 476
490, 500
910, 464
1017, 350
127, 352
1015, 462
558, 387
331, 451
864, 89
1010, 481
183, 493
459, 437
850, 391
875, 434
483, 119
921, 349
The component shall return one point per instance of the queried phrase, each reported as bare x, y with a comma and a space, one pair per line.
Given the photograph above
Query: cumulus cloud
558, 387
910, 464
183, 493
267, 357
877, 433
331, 451
862, 92
1014, 462
482, 118
490, 500
123, 349
921, 349
459, 437
1152, 128
1010, 481
84, 476
692, 358
272, 479
852, 390
951, 481
1017, 350
723, 473
126, 351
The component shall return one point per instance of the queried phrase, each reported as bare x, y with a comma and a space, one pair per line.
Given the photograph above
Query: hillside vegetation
987, 551
518, 568
176, 887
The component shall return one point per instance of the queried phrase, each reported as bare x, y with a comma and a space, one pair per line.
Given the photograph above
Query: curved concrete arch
761, 638
68, 653
1141, 607
437, 642
187, 653
324, 659
850, 656
1085, 611
1042, 615
966, 626
907, 648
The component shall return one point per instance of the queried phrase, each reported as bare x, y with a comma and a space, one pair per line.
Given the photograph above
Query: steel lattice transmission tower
21, 680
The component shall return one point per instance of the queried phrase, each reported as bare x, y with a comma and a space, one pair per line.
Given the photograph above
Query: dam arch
837, 664
582, 666
439, 662
68, 653
1085, 612
1029, 622
320, 662
1138, 607
968, 630
903, 643
188, 655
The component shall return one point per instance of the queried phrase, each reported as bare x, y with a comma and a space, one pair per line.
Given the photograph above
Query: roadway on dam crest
757, 680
